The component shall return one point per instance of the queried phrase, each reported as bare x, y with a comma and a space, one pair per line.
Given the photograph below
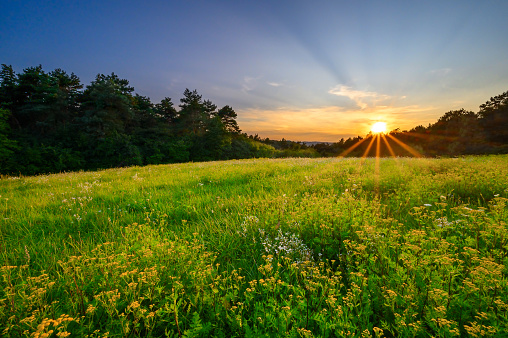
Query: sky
300, 70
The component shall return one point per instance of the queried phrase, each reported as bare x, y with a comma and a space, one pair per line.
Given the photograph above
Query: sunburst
378, 127
378, 139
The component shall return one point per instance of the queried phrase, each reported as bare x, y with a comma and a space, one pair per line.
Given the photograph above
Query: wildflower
27, 255
391, 293
366, 333
443, 222
427, 205
133, 305
90, 309
377, 331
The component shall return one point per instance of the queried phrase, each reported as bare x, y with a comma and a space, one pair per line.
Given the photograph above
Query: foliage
50, 122
494, 118
58, 127
7, 146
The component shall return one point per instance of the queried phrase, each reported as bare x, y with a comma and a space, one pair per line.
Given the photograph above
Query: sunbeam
353, 147
406, 147
378, 155
389, 147
366, 153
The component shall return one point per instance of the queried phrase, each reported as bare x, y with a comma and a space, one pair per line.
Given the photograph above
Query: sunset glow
288, 71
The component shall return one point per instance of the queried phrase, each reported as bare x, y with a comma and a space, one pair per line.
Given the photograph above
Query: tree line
50, 122
457, 132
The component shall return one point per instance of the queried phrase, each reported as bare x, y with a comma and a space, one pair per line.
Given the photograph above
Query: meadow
336, 247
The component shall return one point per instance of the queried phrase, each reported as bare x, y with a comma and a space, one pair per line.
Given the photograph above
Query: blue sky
303, 70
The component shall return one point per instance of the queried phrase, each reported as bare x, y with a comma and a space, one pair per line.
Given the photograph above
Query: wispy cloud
363, 99
274, 84
329, 123
254, 83
441, 71
249, 83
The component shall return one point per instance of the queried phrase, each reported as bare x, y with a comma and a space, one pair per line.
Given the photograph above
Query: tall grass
286, 247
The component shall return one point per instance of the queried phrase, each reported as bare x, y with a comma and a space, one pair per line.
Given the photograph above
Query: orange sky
330, 123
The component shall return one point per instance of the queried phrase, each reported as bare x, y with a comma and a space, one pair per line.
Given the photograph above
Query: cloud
249, 83
441, 72
363, 99
274, 84
329, 123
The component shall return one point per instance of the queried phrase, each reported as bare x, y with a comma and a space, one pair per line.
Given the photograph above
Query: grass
287, 247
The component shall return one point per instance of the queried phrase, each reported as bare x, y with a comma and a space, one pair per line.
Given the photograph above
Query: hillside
287, 247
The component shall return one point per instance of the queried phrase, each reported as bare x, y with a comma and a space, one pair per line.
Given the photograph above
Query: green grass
287, 247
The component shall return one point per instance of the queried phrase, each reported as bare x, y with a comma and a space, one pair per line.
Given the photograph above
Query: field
288, 247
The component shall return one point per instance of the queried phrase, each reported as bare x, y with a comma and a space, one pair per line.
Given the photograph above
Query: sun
378, 127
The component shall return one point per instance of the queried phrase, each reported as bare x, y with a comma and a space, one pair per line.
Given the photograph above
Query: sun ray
350, 149
406, 147
389, 147
377, 170
378, 145
366, 153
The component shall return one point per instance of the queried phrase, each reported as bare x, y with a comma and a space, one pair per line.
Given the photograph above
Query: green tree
152, 132
40, 101
31, 107
7, 85
228, 118
194, 113
107, 115
456, 132
64, 104
41, 106
106, 106
494, 119
7, 146
166, 110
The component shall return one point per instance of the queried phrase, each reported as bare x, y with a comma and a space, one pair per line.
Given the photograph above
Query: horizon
291, 70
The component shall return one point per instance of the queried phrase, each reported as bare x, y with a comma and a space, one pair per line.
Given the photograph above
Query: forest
50, 122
